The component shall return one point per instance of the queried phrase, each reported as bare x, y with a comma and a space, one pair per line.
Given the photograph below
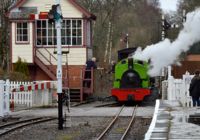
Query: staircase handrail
50, 62
50, 54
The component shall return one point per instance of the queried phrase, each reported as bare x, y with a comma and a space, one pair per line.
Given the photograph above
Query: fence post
1, 97
170, 87
45, 97
187, 79
7, 98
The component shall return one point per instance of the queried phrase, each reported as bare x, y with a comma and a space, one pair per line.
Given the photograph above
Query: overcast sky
168, 5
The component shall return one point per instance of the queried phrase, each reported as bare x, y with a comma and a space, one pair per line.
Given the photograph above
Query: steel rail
130, 123
18, 122
23, 124
111, 124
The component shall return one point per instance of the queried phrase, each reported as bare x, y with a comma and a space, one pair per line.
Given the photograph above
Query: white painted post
59, 67
187, 79
6, 98
1, 97
45, 97
170, 87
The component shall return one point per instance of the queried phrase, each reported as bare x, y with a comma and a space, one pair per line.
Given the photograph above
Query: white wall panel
24, 51
76, 56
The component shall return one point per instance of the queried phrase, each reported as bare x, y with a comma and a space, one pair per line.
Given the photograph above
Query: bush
21, 67
18, 76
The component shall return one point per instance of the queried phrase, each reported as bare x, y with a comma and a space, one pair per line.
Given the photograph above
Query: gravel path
83, 128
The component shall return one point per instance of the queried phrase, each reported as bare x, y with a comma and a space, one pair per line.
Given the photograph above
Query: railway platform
173, 122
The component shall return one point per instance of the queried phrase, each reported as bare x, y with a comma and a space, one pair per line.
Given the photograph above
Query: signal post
55, 16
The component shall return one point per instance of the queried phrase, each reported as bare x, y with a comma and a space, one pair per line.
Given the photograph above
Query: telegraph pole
163, 28
127, 45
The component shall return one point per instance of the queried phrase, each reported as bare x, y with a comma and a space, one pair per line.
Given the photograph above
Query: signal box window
22, 32
71, 33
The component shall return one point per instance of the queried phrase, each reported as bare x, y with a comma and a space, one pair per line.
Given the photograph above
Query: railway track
10, 127
118, 127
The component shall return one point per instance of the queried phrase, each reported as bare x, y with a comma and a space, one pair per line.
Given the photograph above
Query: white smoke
165, 53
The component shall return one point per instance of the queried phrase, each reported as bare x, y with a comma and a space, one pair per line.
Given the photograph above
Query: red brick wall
74, 74
190, 66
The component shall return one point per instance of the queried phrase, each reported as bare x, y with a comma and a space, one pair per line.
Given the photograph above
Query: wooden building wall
190, 66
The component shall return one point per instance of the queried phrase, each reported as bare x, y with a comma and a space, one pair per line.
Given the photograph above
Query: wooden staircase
47, 64
76, 95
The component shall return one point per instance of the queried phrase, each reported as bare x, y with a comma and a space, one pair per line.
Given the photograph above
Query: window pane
50, 25
73, 23
68, 24
63, 24
25, 32
79, 41
19, 25
44, 33
62, 32
39, 32
74, 32
55, 32
74, 41
79, 23
79, 32
68, 40
39, 41
63, 41
38, 24
25, 25
25, 38
44, 41
50, 32
54, 41
50, 41
44, 24
20, 38
68, 32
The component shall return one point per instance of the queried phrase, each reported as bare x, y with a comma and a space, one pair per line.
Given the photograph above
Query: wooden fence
26, 94
177, 89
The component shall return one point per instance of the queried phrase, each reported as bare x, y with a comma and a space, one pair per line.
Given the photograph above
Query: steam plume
165, 53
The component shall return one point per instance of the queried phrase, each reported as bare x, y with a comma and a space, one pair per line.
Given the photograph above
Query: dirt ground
82, 128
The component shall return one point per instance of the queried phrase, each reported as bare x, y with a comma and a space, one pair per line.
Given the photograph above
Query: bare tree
140, 19
4, 31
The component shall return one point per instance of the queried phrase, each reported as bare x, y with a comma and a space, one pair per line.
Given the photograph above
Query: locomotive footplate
136, 94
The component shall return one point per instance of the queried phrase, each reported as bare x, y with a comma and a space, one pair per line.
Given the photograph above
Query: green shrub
21, 72
21, 67
18, 76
